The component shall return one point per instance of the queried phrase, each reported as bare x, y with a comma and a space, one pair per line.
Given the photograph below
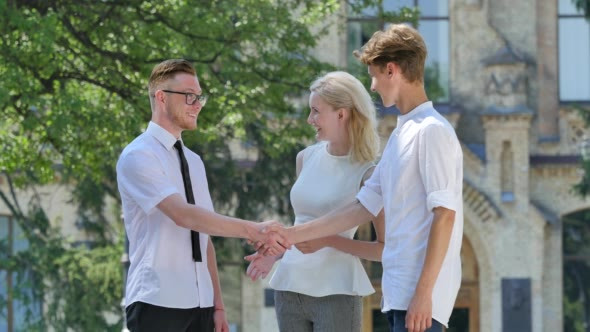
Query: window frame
560, 17
11, 309
381, 24
8, 273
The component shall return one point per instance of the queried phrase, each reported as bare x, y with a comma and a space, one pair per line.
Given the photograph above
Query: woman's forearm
369, 250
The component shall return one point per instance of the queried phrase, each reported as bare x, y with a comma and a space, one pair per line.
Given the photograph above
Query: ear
391, 69
343, 114
159, 96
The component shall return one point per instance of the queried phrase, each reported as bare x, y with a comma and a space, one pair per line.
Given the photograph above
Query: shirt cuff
442, 198
371, 200
149, 207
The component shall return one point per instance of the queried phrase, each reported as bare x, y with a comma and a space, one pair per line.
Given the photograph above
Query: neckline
325, 148
403, 118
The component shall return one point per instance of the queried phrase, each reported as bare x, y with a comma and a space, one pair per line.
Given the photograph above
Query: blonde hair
400, 44
342, 90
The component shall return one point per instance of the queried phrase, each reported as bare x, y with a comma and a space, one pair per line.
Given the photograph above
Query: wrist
292, 234
423, 289
330, 241
219, 309
251, 231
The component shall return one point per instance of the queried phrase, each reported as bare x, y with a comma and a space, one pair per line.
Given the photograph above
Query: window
576, 270
13, 310
574, 52
434, 27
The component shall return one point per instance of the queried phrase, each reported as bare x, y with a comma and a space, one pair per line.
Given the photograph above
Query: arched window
576, 270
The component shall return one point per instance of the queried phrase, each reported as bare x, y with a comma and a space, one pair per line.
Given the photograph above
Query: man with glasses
172, 283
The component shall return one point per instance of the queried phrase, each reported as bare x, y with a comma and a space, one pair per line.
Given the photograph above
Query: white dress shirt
421, 168
162, 271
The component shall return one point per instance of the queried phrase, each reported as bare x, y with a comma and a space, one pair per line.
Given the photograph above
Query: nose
309, 119
197, 105
373, 85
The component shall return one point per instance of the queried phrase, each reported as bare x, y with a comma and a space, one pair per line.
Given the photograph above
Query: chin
387, 103
191, 126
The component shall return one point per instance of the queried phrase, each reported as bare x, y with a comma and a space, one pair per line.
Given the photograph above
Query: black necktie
190, 198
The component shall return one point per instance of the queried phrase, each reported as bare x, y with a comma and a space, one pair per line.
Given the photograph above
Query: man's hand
271, 234
220, 321
419, 315
267, 249
309, 247
260, 265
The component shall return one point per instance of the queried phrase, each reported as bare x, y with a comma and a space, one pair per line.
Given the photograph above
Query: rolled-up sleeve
370, 194
438, 166
140, 177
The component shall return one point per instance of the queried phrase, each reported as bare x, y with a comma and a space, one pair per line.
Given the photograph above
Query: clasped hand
271, 238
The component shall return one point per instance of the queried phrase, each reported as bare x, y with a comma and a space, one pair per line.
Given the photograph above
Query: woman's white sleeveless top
325, 183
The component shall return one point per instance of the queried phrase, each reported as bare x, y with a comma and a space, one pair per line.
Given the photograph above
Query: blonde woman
319, 284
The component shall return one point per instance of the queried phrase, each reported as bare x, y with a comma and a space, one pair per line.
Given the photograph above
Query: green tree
584, 6
73, 79
576, 255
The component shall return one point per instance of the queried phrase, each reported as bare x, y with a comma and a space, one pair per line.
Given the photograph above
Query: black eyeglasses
191, 98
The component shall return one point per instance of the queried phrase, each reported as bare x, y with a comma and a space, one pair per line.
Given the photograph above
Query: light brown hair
166, 70
400, 44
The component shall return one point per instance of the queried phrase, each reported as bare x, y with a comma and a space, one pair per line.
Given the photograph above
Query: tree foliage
73, 93
576, 271
77, 285
583, 6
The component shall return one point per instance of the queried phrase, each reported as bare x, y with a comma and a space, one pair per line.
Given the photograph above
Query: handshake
271, 238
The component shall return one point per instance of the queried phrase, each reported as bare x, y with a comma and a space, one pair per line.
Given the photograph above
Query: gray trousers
334, 313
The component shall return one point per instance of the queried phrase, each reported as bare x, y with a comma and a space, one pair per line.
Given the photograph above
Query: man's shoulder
433, 119
141, 145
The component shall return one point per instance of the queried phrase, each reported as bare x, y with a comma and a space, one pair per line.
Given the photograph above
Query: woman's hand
312, 246
259, 266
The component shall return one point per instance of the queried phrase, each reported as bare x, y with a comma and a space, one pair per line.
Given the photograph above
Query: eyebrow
191, 90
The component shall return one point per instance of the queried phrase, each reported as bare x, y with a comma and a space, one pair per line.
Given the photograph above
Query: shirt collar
162, 135
401, 119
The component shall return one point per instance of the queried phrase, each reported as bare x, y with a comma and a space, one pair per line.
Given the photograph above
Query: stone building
509, 74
